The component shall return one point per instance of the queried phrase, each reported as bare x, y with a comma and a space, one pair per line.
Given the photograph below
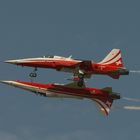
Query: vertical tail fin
114, 58
104, 104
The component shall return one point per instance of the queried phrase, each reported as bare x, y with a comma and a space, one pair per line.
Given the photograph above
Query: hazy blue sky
86, 29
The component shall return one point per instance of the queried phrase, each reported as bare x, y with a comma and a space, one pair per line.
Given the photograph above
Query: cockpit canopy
55, 56
49, 56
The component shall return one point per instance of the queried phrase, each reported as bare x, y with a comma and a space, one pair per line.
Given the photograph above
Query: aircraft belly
70, 70
59, 95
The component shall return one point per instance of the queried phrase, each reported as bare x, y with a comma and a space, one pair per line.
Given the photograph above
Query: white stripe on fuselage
45, 59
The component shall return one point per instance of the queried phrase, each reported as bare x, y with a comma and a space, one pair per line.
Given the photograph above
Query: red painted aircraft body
112, 65
104, 97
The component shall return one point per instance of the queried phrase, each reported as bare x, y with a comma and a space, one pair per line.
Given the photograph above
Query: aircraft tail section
104, 105
114, 58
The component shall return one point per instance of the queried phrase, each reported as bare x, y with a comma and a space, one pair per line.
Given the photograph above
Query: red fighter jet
103, 97
112, 65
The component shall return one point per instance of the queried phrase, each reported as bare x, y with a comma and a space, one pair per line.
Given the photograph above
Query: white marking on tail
104, 106
119, 62
114, 58
111, 55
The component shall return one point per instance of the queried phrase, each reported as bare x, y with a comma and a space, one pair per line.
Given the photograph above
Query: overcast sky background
86, 30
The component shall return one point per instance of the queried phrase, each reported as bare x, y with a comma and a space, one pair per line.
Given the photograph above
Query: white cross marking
118, 62
108, 103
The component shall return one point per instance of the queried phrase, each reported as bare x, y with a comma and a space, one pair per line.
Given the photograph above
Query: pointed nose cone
11, 83
7, 82
12, 61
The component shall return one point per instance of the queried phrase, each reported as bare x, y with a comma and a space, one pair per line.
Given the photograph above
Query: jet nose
6, 82
12, 61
